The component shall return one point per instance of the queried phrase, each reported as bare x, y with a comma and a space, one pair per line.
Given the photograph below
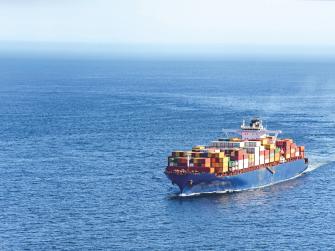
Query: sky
291, 25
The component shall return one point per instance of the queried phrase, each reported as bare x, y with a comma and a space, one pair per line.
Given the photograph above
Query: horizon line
210, 50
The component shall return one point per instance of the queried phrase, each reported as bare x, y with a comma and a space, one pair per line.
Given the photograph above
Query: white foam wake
202, 193
316, 162
314, 166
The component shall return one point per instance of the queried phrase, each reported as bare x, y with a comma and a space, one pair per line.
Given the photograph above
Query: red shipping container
280, 143
238, 155
181, 160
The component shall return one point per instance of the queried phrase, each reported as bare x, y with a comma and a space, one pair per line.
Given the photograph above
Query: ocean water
84, 143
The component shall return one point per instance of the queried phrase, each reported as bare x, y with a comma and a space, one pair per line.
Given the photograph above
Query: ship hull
207, 182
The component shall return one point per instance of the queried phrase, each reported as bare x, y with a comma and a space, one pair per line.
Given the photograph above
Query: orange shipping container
217, 160
202, 160
218, 169
221, 169
216, 155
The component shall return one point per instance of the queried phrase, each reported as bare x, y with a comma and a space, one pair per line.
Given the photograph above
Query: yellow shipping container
264, 141
269, 146
251, 156
225, 169
220, 155
224, 160
235, 139
213, 150
220, 164
216, 155
197, 148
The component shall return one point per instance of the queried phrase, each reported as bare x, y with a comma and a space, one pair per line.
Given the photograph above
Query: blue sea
84, 143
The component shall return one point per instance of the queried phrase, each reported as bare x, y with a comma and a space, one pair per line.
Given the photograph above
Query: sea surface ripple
84, 144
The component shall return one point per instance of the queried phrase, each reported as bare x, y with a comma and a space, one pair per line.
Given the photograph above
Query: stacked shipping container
226, 155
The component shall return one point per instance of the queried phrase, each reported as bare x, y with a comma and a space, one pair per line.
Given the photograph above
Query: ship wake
317, 162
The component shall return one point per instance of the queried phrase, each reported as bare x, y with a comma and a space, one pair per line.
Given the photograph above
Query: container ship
256, 158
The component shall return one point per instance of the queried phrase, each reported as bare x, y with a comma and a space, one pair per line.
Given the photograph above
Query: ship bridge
255, 130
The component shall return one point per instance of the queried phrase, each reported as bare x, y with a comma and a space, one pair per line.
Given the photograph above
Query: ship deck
194, 170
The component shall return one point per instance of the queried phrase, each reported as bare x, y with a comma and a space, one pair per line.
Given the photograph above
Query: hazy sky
284, 22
